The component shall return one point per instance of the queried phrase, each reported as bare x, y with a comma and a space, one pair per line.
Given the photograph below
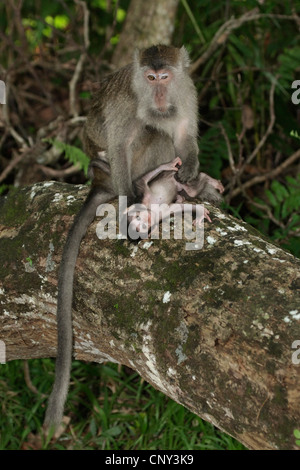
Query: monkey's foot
172, 166
200, 220
177, 161
180, 199
216, 184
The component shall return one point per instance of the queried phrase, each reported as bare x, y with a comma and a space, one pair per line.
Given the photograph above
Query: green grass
110, 408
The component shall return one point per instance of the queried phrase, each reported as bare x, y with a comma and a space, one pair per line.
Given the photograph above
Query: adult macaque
142, 116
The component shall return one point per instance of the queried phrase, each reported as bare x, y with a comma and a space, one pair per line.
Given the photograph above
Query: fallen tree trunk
214, 329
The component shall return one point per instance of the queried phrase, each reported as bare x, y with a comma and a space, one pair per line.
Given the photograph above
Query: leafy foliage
111, 409
240, 73
283, 202
297, 436
72, 153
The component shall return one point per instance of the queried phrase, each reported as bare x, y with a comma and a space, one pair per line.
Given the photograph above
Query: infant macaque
159, 194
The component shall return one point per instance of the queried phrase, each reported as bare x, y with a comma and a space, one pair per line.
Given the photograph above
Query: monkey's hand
188, 171
180, 199
175, 162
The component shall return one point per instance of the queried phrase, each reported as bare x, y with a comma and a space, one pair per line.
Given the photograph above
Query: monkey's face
139, 222
159, 83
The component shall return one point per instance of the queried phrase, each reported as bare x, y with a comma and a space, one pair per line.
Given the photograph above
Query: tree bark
214, 329
146, 23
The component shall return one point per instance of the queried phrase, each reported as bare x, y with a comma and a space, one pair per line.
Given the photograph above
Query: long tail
86, 215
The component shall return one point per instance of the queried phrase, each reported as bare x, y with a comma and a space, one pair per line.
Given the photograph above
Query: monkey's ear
185, 59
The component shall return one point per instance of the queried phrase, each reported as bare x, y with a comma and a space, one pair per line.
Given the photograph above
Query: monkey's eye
151, 76
163, 76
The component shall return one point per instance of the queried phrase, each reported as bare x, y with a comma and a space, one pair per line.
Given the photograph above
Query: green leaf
271, 198
113, 431
93, 427
297, 433
213, 102
295, 134
280, 191
73, 154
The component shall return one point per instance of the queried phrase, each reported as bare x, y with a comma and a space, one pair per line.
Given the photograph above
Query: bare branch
267, 176
268, 131
12, 164
60, 173
82, 58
